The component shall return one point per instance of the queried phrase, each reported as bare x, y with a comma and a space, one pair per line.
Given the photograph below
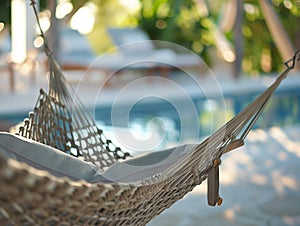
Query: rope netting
60, 120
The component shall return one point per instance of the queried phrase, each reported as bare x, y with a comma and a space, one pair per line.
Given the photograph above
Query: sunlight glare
18, 30
282, 182
44, 18
249, 8
258, 135
259, 179
84, 19
38, 42
228, 55
229, 214
132, 5
63, 8
1, 26
288, 4
223, 46
283, 139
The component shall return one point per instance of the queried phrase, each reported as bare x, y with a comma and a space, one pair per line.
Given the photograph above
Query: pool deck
93, 90
260, 182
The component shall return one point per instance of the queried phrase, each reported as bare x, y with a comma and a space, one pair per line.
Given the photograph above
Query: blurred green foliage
110, 14
178, 22
5, 11
258, 41
182, 22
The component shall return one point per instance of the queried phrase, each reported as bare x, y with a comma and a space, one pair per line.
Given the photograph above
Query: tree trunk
238, 40
278, 33
53, 32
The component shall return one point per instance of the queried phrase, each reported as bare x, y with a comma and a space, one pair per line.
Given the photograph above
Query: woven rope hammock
31, 196
60, 121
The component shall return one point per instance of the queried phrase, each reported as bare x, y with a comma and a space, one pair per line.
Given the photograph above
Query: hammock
62, 170
121, 194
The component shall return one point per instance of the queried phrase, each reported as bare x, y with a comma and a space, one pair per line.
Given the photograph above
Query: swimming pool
160, 116
163, 118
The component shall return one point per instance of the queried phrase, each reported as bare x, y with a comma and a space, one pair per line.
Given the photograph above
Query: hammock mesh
60, 120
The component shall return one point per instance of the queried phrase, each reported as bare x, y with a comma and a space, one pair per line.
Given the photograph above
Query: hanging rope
61, 120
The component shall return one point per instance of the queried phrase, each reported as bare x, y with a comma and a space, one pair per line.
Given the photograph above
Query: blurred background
255, 36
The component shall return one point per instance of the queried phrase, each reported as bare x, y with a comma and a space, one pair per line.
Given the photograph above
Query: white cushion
147, 165
45, 157
58, 163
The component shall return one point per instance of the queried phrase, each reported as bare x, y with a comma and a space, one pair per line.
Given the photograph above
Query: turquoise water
163, 118
161, 115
